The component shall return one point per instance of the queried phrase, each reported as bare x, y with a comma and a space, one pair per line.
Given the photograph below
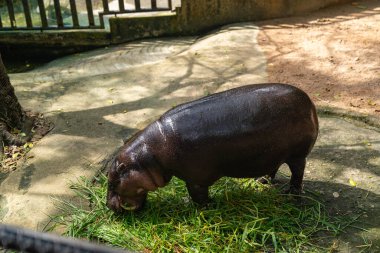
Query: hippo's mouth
129, 208
118, 204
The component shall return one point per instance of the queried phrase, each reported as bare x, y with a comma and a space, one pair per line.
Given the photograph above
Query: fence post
137, 5
105, 6
121, 5
74, 13
106, 10
90, 13
154, 4
58, 13
41, 7
28, 17
11, 13
170, 6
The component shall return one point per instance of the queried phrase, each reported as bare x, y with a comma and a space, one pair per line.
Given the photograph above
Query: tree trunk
11, 113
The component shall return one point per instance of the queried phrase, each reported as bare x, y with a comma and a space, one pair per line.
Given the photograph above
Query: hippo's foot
270, 178
264, 180
267, 180
294, 190
297, 167
198, 193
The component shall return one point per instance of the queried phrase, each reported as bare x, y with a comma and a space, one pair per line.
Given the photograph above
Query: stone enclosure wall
195, 16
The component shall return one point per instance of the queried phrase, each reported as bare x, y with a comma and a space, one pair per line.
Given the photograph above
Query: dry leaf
15, 155
371, 103
352, 182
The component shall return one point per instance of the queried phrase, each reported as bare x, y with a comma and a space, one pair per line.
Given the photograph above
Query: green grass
245, 216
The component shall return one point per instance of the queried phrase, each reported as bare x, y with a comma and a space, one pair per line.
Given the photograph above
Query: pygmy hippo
246, 132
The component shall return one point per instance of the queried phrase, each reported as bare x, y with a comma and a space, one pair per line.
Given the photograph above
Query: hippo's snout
114, 202
117, 204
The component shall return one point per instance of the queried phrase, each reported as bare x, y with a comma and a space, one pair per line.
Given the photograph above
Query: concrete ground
98, 98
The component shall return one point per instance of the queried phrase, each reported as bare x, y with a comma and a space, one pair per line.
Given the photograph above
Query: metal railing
65, 14
28, 241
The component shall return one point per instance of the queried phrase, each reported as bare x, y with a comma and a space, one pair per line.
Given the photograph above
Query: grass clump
245, 216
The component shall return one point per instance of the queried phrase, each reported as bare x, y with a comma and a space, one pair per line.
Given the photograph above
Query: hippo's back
253, 123
238, 111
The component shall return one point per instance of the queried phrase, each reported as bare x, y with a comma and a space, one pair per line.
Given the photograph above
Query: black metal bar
105, 6
28, 17
134, 11
74, 13
101, 19
154, 4
26, 240
58, 13
137, 5
90, 13
42, 9
170, 5
121, 5
1, 23
11, 13
106, 9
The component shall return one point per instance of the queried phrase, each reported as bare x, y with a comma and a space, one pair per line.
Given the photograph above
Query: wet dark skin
247, 132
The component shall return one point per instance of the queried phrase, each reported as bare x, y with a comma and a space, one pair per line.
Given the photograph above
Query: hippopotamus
245, 132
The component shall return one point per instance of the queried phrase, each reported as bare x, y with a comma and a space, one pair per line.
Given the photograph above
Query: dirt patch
333, 54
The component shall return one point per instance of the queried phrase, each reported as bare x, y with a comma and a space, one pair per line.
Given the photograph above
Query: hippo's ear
151, 179
157, 177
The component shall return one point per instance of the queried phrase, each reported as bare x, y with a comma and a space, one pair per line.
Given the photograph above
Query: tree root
7, 138
12, 146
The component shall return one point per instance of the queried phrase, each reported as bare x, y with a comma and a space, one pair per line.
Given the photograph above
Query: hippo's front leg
198, 193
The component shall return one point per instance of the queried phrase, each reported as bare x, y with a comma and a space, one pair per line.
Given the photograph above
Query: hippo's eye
119, 166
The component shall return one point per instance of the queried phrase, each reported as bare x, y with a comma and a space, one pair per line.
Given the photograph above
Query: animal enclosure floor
332, 54
97, 98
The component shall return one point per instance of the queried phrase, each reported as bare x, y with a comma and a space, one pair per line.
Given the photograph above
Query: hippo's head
130, 177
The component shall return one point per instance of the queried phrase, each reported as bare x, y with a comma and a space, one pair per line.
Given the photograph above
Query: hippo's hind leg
297, 167
198, 193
